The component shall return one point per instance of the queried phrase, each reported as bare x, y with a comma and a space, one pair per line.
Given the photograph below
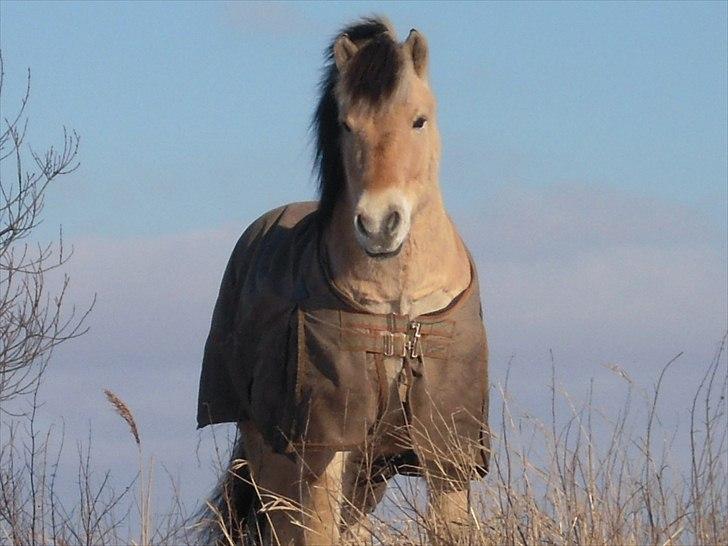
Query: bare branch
33, 319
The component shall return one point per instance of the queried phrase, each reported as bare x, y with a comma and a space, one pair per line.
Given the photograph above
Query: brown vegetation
549, 484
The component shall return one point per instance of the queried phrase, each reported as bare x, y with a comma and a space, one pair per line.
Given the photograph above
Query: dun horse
347, 340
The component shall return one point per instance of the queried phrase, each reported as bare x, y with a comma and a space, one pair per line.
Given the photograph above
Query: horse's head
387, 137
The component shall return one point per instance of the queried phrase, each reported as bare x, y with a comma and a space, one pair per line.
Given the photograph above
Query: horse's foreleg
448, 512
301, 495
321, 498
361, 496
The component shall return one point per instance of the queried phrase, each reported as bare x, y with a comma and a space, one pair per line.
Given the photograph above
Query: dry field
588, 477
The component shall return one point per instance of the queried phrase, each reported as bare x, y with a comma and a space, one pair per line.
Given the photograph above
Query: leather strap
396, 324
393, 344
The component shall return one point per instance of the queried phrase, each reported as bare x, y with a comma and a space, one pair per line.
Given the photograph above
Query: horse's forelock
374, 71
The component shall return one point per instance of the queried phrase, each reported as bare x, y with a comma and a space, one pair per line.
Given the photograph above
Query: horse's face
390, 147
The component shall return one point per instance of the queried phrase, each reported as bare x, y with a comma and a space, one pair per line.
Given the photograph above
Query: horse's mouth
386, 254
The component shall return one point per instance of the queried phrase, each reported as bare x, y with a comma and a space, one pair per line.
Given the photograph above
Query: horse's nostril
361, 226
393, 221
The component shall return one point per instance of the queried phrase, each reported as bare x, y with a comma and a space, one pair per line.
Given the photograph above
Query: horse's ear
416, 47
344, 50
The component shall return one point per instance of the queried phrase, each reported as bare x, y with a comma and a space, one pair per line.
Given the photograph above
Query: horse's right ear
344, 50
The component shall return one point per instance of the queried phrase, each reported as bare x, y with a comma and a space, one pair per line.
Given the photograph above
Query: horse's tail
230, 516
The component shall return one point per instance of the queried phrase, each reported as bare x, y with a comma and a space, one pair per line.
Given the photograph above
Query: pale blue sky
584, 160
196, 114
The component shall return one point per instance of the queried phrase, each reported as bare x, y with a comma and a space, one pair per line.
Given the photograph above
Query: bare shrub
32, 321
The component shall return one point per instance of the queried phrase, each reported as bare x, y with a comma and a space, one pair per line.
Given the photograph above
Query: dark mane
372, 76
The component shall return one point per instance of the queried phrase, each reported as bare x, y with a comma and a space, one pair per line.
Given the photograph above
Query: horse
347, 340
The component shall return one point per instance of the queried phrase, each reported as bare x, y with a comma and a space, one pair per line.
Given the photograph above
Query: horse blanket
290, 352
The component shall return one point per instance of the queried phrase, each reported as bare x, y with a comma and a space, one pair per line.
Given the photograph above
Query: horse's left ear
344, 50
416, 46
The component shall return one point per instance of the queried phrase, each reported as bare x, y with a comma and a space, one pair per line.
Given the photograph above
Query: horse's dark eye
419, 122
346, 127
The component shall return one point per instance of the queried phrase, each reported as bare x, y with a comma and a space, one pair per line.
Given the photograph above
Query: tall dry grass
623, 485
584, 476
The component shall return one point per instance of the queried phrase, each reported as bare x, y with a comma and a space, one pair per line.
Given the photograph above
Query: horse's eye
346, 127
419, 122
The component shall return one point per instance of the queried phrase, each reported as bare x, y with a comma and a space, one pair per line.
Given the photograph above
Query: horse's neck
429, 272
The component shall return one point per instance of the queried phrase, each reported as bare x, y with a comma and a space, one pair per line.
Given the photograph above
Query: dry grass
125, 413
581, 477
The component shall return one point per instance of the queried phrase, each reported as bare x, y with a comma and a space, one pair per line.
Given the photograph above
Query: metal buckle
413, 345
388, 344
